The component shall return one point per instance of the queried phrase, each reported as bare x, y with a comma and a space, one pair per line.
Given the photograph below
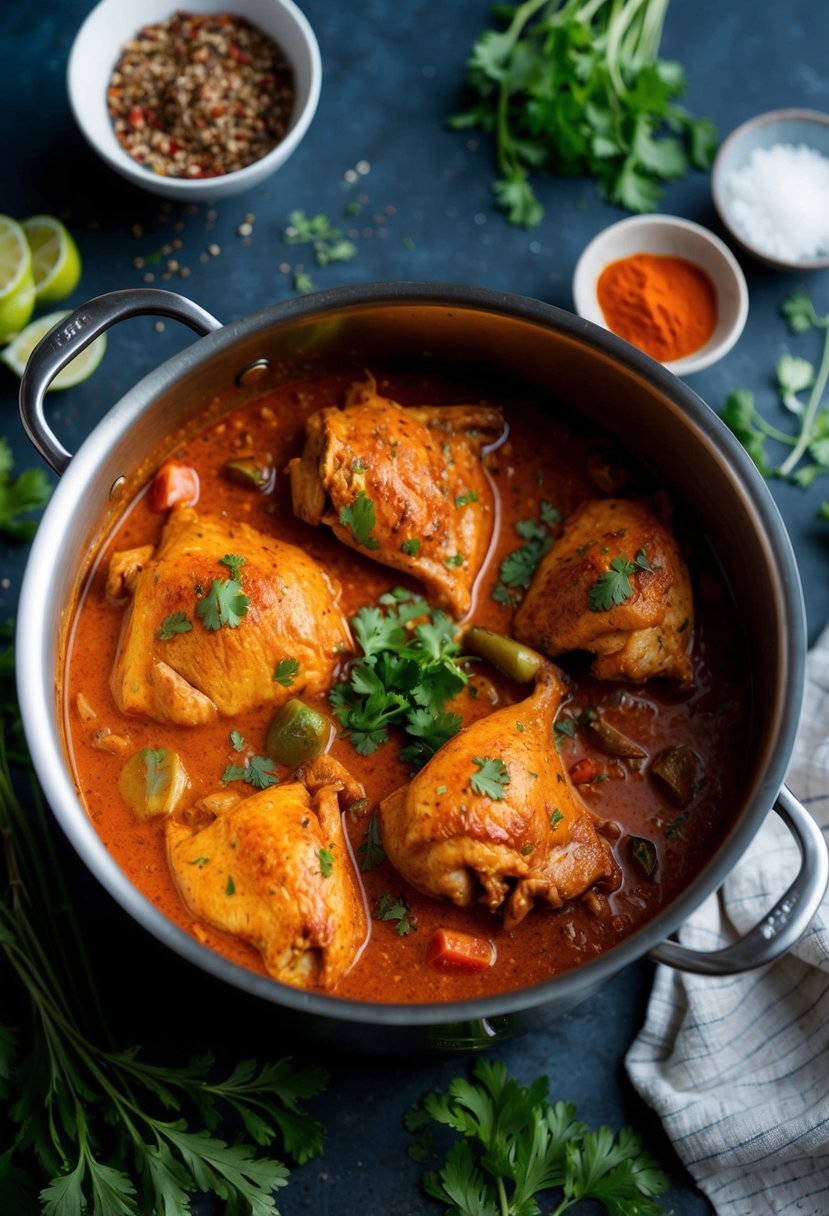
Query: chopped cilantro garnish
326, 860
201, 862
371, 850
230, 889
396, 909
462, 499
409, 670
171, 625
234, 563
518, 567
28, 491
237, 741
224, 604
286, 672
613, 586
491, 778
556, 818
258, 772
411, 547
455, 560
361, 518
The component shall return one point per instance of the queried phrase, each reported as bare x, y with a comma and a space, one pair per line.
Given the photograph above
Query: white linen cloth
738, 1068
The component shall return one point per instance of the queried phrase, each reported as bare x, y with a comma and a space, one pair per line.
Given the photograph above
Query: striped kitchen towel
738, 1068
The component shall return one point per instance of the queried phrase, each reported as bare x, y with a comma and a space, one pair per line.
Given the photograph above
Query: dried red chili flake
200, 95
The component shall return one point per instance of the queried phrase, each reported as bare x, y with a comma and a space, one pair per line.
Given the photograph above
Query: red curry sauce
543, 458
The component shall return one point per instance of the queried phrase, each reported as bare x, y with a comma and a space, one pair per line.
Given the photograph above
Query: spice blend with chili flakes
200, 95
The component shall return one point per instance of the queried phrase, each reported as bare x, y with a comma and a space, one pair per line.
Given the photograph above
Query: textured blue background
392, 73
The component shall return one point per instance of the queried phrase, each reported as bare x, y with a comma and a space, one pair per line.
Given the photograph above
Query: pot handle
75, 332
788, 920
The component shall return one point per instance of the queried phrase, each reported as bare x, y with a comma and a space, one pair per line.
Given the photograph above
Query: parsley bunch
808, 458
408, 672
516, 1144
577, 87
103, 1130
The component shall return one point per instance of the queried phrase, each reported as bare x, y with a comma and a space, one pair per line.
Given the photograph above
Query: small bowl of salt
770, 183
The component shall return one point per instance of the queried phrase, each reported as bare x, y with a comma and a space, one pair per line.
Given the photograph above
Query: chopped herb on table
101, 1129
408, 672
28, 491
515, 1144
327, 242
576, 87
808, 457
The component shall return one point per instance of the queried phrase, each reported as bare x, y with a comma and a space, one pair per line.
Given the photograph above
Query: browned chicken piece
493, 818
172, 667
403, 485
275, 871
614, 583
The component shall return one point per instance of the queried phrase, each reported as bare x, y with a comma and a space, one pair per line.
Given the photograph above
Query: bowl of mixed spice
195, 105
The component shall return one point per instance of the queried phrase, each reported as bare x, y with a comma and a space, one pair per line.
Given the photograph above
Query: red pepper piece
583, 771
451, 950
174, 483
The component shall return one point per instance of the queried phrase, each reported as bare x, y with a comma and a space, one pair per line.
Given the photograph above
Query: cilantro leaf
286, 672
613, 586
234, 563
224, 604
491, 779
740, 416
256, 771
326, 860
371, 850
411, 547
361, 518
514, 1144
799, 312
178, 622
397, 910
29, 491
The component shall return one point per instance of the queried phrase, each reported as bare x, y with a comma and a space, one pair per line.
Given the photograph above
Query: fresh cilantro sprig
491, 779
515, 1144
28, 491
361, 517
808, 455
224, 604
327, 242
256, 771
408, 672
397, 910
613, 586
577, 87
103, 1130
518, 567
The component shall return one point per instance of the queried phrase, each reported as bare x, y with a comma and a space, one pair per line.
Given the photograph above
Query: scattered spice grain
666, 306
200, 95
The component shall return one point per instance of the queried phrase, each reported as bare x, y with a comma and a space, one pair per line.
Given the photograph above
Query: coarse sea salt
779, 202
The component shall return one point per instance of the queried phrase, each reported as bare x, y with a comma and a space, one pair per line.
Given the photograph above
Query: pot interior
553, 355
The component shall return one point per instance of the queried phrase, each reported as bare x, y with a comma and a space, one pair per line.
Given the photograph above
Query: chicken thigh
493, 818
405, 486
213, 612
614, 583
274, 870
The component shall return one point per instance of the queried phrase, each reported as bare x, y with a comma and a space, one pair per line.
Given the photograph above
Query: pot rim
40, 715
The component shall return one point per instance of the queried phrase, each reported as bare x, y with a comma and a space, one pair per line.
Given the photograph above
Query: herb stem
811, 412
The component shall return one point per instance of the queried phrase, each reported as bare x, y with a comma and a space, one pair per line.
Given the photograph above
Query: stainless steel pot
550, 351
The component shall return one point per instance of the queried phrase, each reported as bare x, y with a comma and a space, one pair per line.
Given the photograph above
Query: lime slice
17, 288
17, 352
56, 263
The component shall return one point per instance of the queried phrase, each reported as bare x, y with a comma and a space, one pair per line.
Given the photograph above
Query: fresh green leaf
286, 672
326, 860
491, 779
361, 518
613, 586
740, 417
224, 604
234, 563
397, 910
171, 625
371, 850
799, 312
411, 547
27, 492
256, 771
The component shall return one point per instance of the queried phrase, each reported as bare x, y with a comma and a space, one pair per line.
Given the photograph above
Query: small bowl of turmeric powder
666, 285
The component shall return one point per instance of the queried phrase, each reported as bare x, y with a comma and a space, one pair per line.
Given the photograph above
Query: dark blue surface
392, 72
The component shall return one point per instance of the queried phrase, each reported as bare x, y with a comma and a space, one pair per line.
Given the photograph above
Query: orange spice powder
666, 306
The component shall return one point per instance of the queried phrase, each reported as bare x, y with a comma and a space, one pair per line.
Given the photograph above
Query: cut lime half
56, 263
17, 352
17, 288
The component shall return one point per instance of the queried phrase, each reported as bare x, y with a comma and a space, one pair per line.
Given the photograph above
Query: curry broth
544, 457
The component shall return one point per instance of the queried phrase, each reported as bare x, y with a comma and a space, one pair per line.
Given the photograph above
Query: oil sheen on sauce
544, 458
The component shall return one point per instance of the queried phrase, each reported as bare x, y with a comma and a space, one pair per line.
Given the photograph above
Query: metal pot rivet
117, 486
253, 372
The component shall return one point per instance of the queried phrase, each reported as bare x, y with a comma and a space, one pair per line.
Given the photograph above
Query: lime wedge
17, 352
17, 288
56, 263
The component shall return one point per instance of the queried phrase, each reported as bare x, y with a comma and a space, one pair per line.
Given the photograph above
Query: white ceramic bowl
670, 236
790, 127
96, 50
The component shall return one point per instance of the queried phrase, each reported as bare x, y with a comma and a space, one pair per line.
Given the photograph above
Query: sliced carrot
451, 950
583, 771
174, 483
